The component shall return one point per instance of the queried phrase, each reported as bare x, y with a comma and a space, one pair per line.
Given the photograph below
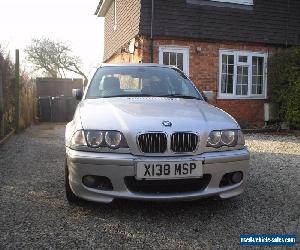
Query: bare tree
55, 58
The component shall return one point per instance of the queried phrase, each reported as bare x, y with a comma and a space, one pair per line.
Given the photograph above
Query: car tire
71, 197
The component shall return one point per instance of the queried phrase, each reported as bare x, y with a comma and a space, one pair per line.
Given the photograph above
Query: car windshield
141, 81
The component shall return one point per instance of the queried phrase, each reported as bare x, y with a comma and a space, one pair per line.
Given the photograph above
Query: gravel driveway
34, 212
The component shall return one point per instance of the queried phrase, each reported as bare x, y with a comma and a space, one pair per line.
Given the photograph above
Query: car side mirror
77, 93
209, 96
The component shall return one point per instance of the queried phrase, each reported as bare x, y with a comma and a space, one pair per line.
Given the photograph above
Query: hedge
284, 77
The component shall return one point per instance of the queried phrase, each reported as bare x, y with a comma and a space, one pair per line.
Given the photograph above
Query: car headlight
78, 139
94, 138
97, 140
113, 139
214, 139
230, 138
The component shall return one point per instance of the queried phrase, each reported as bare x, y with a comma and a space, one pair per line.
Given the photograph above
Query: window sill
241, 98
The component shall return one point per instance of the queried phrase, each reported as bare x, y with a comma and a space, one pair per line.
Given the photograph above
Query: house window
257, 74
227, 73
175, 56
242, 74
245, 2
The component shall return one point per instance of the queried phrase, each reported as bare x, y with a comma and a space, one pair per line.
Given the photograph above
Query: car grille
182, 142
167, 186
153, 142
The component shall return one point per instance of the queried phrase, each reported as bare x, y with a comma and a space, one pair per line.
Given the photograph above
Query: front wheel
71, 197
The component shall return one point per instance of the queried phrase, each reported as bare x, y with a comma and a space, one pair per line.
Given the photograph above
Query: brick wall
248, 113
126, 57
204, 72
128, 19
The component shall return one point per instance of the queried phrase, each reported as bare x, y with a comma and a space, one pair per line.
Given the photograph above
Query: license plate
169, 170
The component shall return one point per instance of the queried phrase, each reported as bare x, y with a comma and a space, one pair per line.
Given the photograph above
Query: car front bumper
118, 166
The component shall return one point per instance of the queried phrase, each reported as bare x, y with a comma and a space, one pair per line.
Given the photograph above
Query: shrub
284, 76
7, 72
26, 92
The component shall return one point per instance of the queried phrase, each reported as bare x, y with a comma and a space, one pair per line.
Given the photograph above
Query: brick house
222, 45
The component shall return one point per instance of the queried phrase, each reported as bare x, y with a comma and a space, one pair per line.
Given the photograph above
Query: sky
72, 21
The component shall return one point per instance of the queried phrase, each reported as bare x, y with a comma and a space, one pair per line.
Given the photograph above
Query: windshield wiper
181, 96
127, 95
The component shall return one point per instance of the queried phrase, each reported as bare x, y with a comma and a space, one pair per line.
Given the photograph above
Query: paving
34, 213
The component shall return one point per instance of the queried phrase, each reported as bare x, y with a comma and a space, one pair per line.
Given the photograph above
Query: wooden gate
55, 101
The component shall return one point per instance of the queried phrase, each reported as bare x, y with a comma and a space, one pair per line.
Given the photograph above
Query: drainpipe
151, 33
287, 24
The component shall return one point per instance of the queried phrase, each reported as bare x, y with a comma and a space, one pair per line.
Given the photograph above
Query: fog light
236, 177
105, 184
231, 179
89, 181
98, 182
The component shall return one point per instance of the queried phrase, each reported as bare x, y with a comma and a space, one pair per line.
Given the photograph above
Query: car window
127, 82
118, 81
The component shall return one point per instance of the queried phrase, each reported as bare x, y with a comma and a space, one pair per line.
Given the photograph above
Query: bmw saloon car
145, 132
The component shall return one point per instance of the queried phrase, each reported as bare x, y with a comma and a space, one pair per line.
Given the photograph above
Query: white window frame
244, 2
176, 49
236, 63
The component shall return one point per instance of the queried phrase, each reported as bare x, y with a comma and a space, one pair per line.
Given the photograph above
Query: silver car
144, 132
